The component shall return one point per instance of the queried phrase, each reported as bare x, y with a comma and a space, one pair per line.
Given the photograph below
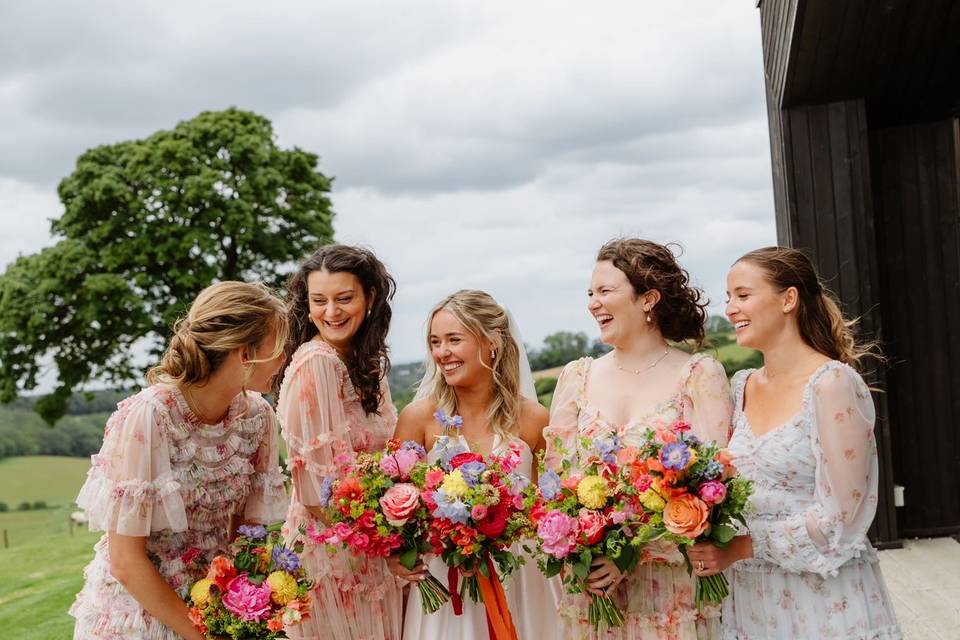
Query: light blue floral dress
814, 573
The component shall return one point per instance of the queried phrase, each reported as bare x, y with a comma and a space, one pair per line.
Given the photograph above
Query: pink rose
713, 492
571, 481
479, 512
246, 600
399, 503
557, 532
686, 515
593, 524
399, 464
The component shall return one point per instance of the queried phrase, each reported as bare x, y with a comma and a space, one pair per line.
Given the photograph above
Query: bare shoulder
419, 411
533, 418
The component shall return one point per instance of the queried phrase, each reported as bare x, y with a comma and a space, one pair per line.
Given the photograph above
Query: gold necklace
637, 372
195, 407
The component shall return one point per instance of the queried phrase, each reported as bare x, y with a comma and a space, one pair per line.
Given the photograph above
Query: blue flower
549, 484
713, 470
446, 448
252, 531
325, 490
471, 472
285, 559
450, 507
675, 456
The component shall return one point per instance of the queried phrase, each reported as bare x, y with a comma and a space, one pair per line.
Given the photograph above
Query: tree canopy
146, 225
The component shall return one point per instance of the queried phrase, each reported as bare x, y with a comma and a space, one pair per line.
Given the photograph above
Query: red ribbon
452, 574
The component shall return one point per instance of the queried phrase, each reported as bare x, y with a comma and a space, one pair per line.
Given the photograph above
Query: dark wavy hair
681, 313
821, 322
367, 361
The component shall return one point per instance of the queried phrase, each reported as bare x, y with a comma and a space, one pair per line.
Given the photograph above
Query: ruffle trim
889, 632
132, 507
795, 551
268, 501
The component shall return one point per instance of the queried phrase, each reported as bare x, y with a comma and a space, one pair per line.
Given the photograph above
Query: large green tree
146, 225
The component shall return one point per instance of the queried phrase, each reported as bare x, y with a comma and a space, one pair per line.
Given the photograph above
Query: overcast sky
493, 145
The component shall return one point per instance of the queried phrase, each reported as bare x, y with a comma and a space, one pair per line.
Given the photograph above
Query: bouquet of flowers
255, 592
583, 512
479, 511
691, 493
376, 509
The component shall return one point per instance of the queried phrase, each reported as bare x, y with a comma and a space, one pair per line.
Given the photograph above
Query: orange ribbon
499, 620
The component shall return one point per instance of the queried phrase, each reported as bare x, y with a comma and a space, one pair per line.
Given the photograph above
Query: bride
478, 370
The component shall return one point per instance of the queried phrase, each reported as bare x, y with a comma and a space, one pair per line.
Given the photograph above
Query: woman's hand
396, 567
605, 575
709, 560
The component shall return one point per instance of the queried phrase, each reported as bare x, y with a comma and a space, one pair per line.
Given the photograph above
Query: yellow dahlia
283, 587
454, 484
592, 492
200, 593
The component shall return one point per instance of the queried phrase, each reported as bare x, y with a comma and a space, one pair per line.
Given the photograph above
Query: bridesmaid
804, 436
641, 298
477, 369
334, 401
182, 463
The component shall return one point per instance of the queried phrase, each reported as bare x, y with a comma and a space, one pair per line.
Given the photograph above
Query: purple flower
675, 456
447, 422
325, 490
518, 482
607, 448
450, 507
410, 445
549, 484
471, 472
285, 559
254, 532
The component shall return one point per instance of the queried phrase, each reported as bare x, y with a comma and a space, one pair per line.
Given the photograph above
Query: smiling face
457, 352
338, 306
618, 311
758, 311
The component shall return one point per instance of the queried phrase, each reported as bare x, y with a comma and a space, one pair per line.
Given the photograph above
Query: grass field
42, 569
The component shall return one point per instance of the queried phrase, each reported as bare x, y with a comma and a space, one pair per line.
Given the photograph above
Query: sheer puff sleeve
564, 415
130, 488
708, 404
267, 502
315, 425
833, 529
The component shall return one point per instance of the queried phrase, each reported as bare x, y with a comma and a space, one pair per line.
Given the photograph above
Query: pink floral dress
355, 598
164, 474
657, 599
814, 574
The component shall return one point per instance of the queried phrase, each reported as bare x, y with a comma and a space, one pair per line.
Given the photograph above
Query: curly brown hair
367, 361
681, 312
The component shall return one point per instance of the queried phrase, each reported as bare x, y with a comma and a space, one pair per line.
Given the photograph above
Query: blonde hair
821, 322
486, 320
225, 317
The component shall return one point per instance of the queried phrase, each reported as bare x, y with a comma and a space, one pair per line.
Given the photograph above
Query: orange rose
686, 515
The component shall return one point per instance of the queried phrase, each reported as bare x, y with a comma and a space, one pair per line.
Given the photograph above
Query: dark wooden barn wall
915, 170
825, 206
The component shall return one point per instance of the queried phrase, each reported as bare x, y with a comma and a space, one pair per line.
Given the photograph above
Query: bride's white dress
531, 597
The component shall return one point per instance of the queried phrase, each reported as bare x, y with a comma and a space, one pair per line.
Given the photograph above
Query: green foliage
4, 507
23, 433
147, 225
23, 506
545, 385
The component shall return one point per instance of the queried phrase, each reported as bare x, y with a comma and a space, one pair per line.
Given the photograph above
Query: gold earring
648, 318
368, 312
493, 354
